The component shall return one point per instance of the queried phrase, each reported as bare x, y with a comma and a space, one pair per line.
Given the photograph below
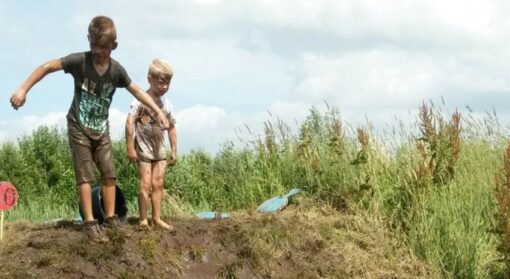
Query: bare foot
144, 224
163, 225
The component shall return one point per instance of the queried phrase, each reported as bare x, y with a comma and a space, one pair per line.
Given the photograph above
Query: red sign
8, 195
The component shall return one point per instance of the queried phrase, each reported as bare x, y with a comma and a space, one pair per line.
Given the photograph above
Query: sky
240, 63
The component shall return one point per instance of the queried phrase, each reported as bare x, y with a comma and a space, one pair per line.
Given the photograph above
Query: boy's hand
163, 121
172, 160
132, 155
18, 98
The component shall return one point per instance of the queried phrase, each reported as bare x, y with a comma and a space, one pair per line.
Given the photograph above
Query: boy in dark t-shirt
96, 76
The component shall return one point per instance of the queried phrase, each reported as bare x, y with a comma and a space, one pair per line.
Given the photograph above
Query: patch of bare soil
299, 242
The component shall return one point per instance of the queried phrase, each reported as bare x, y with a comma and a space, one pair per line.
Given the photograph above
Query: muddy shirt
149, 137
92, 93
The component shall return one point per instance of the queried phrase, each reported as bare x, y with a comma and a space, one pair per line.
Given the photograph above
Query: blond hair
161, 68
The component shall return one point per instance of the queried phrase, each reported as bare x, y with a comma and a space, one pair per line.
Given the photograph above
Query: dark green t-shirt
92, 93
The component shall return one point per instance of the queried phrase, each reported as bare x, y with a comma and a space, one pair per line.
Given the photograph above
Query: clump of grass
148, 247
117, 240
336, 136
320, 242
173, 206
13, 271
228, 271
128, 275
307, 152
364, 141
260, 245
174, 259
438, 146
98, 254
196, 253
45, 259
502, 194
270, 140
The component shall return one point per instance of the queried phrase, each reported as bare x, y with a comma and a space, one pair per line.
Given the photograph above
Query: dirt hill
299, 242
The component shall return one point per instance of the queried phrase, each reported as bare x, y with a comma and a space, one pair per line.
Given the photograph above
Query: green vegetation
441, 188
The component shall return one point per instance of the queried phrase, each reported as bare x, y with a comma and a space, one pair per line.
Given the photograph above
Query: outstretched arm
19, 96
146, 100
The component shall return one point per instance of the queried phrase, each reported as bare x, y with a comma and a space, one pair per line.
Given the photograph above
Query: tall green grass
432, 183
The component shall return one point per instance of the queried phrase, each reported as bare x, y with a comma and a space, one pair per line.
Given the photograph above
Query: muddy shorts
143, 159
87, 151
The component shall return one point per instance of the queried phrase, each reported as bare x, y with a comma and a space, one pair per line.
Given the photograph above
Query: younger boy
96, 76
145, 142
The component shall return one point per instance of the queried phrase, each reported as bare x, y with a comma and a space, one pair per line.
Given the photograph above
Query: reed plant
502, 195
433, 189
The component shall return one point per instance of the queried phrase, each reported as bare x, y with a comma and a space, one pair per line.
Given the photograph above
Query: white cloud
11, 130
54, 118
200, 118
236, 60
390, 78
474, 16
198, 126
204, 127
117, 120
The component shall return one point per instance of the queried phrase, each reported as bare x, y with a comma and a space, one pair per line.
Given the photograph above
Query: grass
41, 211
431, 185
320, 242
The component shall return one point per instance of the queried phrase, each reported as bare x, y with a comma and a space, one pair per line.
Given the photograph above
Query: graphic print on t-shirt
94, 107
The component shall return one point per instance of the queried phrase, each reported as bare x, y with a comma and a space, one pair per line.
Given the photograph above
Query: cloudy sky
238, 62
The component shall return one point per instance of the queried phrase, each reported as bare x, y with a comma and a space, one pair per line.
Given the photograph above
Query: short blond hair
161, 69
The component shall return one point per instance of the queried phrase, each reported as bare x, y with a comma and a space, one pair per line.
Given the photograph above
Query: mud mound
299, 242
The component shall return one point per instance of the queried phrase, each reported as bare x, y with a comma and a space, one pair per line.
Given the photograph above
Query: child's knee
144, 193
108, 182
157, 182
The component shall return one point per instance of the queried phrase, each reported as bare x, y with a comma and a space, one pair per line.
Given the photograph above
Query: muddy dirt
296, 243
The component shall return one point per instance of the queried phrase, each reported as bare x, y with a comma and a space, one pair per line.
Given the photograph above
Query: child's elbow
50, 67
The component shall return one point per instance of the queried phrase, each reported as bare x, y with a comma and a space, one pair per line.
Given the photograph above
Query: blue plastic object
277, 203
212, 215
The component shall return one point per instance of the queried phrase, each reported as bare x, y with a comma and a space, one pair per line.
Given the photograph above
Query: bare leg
108, 191
158, 172
85, 194
145, 187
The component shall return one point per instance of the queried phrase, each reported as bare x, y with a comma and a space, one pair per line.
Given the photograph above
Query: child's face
101, 50
159, 85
